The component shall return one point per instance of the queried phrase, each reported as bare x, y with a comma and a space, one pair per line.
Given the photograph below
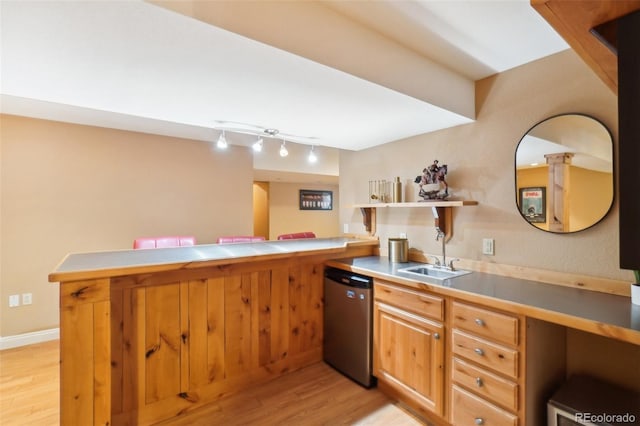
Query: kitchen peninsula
146, 335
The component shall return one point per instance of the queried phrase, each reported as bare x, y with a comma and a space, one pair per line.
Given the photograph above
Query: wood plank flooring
30, 385
316, 395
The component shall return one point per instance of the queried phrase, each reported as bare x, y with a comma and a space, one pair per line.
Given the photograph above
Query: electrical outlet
14, 300
345, 228
403, 235
488, 246
27, 298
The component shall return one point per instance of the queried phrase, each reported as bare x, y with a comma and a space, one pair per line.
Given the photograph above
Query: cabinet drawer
501, 391
499, 358
499, 327
468, 409
426, 305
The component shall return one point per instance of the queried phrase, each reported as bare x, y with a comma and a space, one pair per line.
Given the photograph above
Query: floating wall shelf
442, 214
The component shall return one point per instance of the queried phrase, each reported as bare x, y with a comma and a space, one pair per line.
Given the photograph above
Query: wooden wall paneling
162, 342
117, 348
216, 364
85, 360
133, 354
102, 363
315, 273
197, 338
260, 317
237, 324
76, 373
279, 314
184, 338
264, 307
296, 302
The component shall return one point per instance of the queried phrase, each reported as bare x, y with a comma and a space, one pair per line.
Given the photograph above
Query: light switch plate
488, 246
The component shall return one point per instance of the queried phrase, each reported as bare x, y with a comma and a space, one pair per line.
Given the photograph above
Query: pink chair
296, 235
160, 242
239, 239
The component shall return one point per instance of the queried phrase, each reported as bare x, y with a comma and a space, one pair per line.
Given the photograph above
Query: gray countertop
543, 300
121, 262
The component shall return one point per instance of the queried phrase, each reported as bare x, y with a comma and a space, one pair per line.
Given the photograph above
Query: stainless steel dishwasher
348, 320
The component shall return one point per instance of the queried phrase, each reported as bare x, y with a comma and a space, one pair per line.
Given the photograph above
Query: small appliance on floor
348, 319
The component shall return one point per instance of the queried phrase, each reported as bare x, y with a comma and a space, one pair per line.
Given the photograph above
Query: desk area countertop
605, 314
77, 266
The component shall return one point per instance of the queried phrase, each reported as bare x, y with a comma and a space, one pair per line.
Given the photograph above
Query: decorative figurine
432, 183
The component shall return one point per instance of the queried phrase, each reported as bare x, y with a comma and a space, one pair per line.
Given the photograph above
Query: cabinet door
409, 355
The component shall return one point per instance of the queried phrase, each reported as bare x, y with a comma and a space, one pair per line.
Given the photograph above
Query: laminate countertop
79, 266
601, 313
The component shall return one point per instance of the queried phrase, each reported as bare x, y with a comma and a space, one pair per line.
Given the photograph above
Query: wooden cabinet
144, 342
486, 374
409, 347
472, 410
178, 344
461, 362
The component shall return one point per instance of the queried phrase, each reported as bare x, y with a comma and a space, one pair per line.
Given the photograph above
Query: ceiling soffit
319, 33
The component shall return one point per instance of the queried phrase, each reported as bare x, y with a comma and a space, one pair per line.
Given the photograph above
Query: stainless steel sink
433, 271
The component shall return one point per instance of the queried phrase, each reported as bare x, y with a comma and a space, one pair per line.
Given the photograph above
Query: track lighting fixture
283, 149
262, 133
257, 146
222, 141
312, 155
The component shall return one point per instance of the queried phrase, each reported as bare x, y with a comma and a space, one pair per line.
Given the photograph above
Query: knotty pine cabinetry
409, 345
486, 367
141, 343
184, 341
464, 363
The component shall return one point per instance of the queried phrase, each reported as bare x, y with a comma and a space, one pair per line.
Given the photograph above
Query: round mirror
564, 173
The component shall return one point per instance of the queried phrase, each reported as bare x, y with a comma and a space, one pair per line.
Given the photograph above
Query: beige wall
71, 188
481, 167
285, 216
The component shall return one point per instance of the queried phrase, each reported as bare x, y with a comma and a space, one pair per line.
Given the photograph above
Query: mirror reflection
564, 173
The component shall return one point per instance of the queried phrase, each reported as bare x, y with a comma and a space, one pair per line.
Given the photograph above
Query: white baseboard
9, 342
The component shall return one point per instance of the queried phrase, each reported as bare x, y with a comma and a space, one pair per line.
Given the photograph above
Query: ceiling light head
222, 141
283, 149
257, 146
312, 155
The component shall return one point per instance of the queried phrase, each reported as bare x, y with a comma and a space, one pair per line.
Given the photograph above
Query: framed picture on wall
316, 200
533, 204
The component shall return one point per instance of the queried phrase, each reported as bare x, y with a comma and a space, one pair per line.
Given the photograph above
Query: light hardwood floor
316, 395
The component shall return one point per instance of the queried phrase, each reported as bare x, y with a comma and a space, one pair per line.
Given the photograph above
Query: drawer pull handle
479, 421
479, 351
480, 322
479, 382
436, 336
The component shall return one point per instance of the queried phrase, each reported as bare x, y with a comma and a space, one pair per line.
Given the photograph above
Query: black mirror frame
613, 173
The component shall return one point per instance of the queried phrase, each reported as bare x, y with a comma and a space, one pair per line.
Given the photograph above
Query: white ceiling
137, 66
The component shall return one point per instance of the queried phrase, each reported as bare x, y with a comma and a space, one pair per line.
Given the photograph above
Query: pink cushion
239, 239
296, 236
159, 242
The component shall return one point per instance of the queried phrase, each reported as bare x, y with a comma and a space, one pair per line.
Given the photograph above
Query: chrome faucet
441, 235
